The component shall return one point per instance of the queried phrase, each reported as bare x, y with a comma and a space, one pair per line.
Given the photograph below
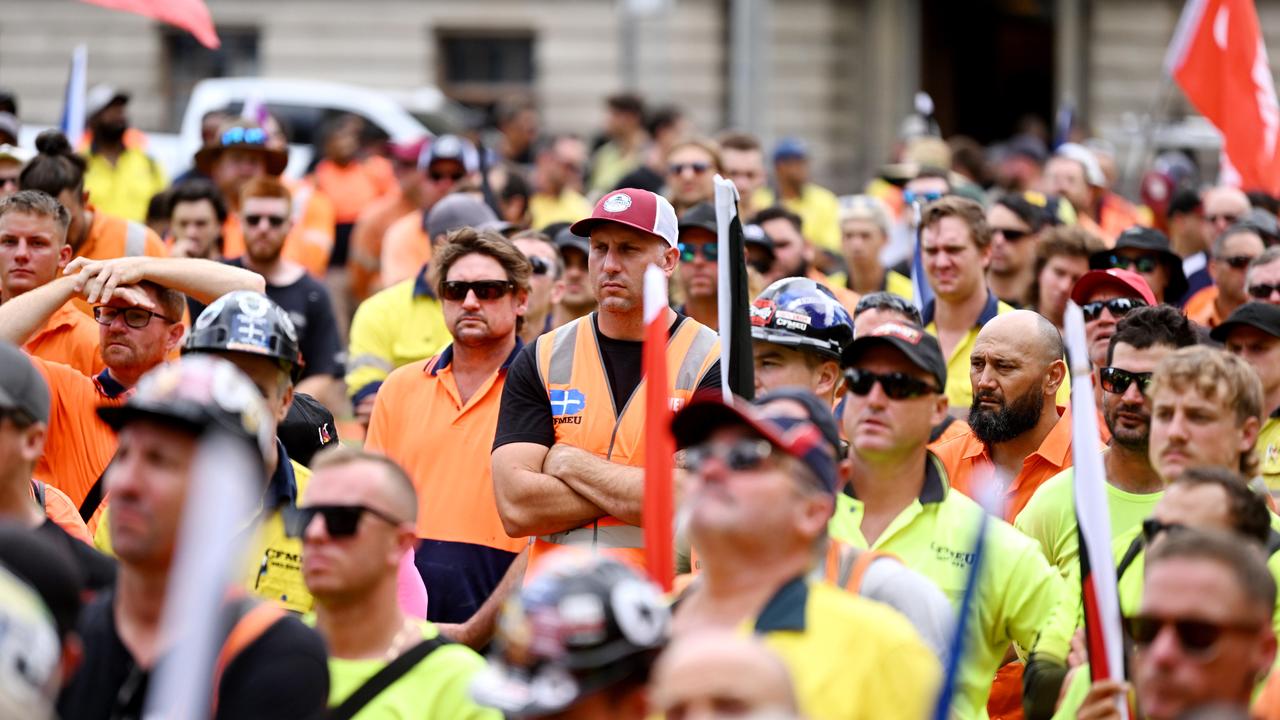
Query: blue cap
790, 149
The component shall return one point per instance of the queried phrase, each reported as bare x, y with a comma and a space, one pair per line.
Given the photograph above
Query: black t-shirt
281, 675
525, 415
97, 571
309, 307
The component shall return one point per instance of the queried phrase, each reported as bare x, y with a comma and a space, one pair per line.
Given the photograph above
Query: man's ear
940, 408
1054, 377
522, 302
174, 337
64, 256
670, 258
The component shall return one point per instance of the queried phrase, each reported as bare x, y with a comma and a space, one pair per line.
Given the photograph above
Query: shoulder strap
135, 238
38, 490
1130, 555
385, 677
92, 499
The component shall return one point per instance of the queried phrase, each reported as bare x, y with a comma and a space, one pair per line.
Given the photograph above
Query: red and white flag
659, 445
190, 15
1218, 58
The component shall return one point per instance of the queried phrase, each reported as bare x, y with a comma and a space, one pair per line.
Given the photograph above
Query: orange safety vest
572, 370
846, 565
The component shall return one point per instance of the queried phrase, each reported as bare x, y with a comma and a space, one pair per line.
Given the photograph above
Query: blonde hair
1217, 375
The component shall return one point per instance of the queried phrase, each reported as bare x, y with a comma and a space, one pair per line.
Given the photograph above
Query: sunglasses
1228, 219
1117, 381
1118, 307
7, 181
340, 521
274, 221
737, 456
1262, 291
689, 251
243, 136
457, 290
896, 385
1143, 264
1151, 529
1011, 234
697, 168
1237, 262
136, 318
1198, 638
540, 265
438, 176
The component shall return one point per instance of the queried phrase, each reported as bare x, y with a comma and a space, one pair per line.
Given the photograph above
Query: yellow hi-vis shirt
1020, 598
274, 570
849, 657
392, 328
1268, 448
819, 212
125, 188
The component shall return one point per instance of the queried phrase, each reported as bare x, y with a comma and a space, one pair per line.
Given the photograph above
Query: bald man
1018, 436
701, 675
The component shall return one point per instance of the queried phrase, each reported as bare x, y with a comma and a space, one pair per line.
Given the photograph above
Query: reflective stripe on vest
135, 239
610, 536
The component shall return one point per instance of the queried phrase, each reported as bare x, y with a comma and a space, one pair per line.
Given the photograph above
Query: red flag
659, 445
1218, 58
190, 15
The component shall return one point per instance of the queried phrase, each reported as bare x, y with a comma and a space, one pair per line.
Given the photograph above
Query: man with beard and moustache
265, 215
793, 254
1142, 339
119, 175
1017, 436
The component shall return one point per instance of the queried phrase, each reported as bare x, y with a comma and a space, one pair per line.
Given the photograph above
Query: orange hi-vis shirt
111, 237
353, 187
308, 243
1202, 308
365, 259
572, 370
78, 446
69, 337
967, 463
64, 513
405, 249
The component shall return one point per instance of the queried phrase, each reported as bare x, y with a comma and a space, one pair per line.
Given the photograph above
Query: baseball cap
1028, 146
790, 148
639, 209
9, 125
1127, 281
13, 152
408, 151
1148, 240
450, 147
753, 234
1083, 155
802, 439
1260, 315
307, 429
100, 97
702, 215
865, 207
918, 346
458, 210
21, 385
565, 239
816, 411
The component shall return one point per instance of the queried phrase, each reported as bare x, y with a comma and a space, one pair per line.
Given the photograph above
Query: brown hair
1217, 375
707, 146
35, 202
171, 301
1064, 240
1245, 560
266, 187
740, 141
470, 241
968, 211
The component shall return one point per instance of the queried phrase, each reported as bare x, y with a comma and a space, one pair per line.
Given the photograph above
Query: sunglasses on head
1198, 638
135, 317
912, 197
243, 136
1151, 529
340, 521
709, 250
1011, 234
540, 265
697, 168
456, 290
274, 221
1262, 291
1117, 381
1224, 218
745, 454
897, 386
1143, 264
1237, 262
1118, 307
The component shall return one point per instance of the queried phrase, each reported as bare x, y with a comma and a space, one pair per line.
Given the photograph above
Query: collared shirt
125, 187
569, 206
405, 249
968, 462
421, 421
394, 327
69, 337
837, 647
819, 212
78, 445
959, 390
1019, 599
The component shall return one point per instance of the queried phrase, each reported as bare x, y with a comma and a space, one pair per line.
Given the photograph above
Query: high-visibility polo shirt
69, 337
125, 188
420, 421
112, 237
969, 463
1020, 598
959, 390
405, 249
78, 445
310, 240
1268, 449
396, 326
569, 206
819, 212
437, 687
849, 657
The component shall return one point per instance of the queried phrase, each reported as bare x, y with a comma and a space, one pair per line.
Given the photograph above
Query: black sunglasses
243, 136
689, 251
456, 290
1143, 264
1237, 262
1151, 529
540, 265
340, 521
737, 456
1262, 291
896, 385
697, 167
1198, 638
1118, 307
1011, 234
1115, 380
438, 176
274, 221
135, 317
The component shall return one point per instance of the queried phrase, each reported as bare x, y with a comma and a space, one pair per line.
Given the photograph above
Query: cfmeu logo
567, 405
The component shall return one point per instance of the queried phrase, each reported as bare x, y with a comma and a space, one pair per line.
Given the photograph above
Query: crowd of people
427, 359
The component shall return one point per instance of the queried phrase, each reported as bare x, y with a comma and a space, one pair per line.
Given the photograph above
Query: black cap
1152, 241
753, 234
1260, 315
307, 429
702, 215
920, 347
566, 239
21, 385
818, 412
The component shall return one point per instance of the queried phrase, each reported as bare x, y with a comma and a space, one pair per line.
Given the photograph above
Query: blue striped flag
919, 283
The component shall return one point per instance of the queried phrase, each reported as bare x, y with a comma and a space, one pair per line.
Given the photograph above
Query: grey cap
458, 210
566, 239
22, 387
101, 97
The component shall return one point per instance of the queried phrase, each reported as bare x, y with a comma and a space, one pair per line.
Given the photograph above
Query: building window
480, 67
189, 62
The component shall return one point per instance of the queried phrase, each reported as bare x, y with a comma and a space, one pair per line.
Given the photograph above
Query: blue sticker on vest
566, 402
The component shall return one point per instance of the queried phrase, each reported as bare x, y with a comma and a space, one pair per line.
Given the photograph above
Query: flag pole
737, 375
659, 444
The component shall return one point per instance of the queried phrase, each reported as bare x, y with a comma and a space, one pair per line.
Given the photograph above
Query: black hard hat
802, 313
584, 623
247, 322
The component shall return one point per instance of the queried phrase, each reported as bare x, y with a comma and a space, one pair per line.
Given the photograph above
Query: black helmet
247, 322
583, 623
198, 394
801, 313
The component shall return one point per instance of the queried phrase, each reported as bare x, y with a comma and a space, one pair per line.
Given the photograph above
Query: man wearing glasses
1105, 297
1233, 251
1016, 222
691, 168
697, 272
1262, 279
546, 282
1252, 333
1146, 251
899, 500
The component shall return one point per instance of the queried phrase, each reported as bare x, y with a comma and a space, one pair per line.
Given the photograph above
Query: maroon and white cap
640, 209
